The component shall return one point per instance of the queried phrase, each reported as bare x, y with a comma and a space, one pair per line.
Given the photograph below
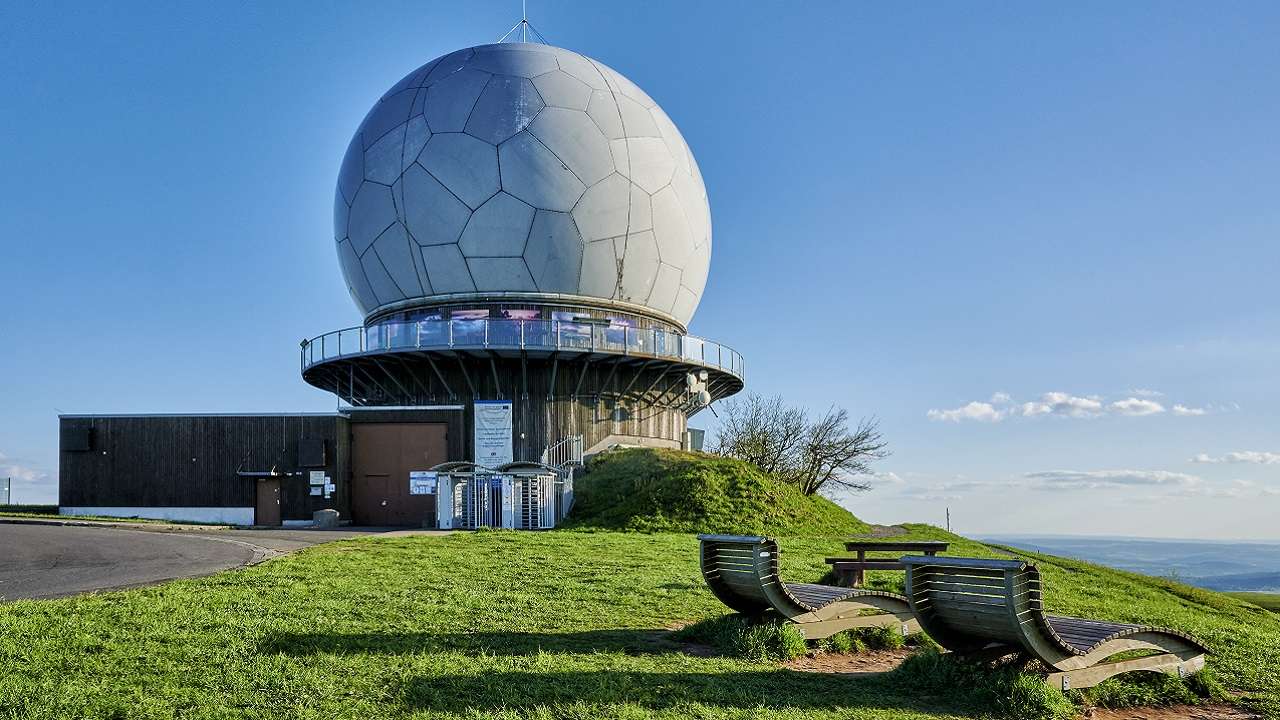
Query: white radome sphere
521, 168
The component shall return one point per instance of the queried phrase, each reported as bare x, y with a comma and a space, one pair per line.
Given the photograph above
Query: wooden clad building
257, 468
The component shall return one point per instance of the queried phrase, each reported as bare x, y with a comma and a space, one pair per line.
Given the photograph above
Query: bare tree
783, 441
834, 456
762, 431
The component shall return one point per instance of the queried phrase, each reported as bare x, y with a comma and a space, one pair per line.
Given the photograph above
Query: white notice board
493, 433
422, 482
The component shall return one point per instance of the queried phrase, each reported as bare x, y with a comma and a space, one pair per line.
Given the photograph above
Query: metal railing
492, 333
568, 451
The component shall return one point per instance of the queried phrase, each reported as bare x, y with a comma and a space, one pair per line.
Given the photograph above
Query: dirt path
1174, 712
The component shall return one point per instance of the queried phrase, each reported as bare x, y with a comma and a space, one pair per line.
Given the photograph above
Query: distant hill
1266, 581
1212, 564
670, 491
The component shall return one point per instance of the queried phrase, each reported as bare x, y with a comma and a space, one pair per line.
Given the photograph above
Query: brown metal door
382, 456
266, 510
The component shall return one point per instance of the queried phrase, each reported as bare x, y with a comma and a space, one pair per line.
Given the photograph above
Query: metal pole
8, 491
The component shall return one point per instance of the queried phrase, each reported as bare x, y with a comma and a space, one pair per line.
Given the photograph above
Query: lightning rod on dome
525, 28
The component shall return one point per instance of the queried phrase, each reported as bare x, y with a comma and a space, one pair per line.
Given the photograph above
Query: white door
508, 502
444, 502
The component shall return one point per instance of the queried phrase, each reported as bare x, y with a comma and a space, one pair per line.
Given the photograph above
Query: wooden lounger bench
742, 571
992, 607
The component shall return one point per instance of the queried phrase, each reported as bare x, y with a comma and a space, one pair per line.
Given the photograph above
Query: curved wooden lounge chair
992, 607
742, 571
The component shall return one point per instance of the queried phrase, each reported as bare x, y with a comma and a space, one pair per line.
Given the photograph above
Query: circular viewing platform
382, 352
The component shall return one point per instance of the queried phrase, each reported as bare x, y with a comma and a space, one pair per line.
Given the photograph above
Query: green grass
558, 624
1269, 601
56, 516
34, 509
104, 518
673, 491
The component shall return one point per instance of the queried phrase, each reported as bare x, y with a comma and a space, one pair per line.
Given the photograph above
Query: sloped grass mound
651, 490
515, 625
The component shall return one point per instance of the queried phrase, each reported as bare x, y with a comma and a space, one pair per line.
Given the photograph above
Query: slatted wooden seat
976, 606
742, 571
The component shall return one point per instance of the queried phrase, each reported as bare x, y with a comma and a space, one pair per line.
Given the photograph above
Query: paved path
42, 560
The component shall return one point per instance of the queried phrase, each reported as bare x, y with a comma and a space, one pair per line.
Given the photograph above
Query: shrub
882, 637
843, 642
1001, 690
769, 641
737, 636
1155, 689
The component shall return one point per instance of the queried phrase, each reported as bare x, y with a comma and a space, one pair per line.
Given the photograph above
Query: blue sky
1021, 236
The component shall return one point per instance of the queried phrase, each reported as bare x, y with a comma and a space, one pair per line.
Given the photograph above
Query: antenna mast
524, 28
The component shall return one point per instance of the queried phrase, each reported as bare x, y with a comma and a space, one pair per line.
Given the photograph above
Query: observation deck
399, 363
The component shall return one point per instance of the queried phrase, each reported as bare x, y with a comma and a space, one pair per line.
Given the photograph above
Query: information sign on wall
422, 482
493, 433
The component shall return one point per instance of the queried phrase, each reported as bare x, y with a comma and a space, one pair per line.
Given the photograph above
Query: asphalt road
41, 561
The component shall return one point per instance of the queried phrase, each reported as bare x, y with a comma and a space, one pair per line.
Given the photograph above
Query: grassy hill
1269, 601
672, 491
506, 625
558, 624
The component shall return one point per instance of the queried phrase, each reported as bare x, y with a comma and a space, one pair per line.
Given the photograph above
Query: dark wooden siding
191, 461
550, 399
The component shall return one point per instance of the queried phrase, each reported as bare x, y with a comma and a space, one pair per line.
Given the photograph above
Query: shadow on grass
771, 690
631, 642
765, 688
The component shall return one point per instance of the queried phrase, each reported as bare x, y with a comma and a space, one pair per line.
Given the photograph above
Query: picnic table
851, 571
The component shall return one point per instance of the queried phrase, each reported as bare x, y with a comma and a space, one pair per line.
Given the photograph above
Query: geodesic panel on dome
599, 268
501, 275
560, 89
507, 106
554, 252
393, 248
576, 142
639, 267
447, 269
372, 212
521, 168
448, 103
467, 167
604, 209
499, 228
533, 173
434, 215
382, 159
670, 227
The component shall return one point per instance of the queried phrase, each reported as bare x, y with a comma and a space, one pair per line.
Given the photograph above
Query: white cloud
1251, 457
980, 411
1136, 407
1064, 404
887, 478
1095, 479
951, 489
1002, 406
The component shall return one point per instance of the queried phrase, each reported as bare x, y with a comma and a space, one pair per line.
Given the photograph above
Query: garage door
382, 456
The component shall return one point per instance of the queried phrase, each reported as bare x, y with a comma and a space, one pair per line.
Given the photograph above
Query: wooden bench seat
742, 571
978, 606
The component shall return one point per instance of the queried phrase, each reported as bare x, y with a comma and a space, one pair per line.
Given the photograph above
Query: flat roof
133, 415
338, 413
